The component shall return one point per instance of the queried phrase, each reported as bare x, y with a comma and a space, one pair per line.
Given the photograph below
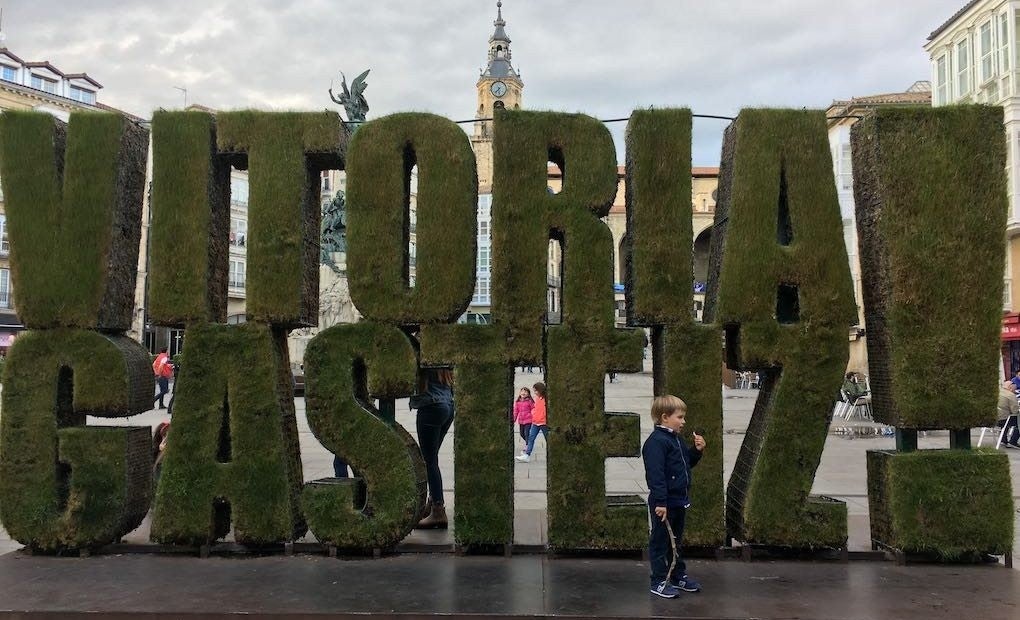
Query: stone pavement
842, 473
416, 586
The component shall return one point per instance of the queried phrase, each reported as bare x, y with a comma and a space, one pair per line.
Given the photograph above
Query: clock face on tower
498, 89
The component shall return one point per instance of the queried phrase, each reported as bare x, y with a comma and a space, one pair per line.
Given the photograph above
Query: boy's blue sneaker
665, 590
687, 584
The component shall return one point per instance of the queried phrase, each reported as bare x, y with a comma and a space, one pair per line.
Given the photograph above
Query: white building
975, 59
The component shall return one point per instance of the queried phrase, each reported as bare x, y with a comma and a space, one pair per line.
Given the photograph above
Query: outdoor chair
985, 429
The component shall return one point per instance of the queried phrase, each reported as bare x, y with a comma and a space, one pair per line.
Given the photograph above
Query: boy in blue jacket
668, 463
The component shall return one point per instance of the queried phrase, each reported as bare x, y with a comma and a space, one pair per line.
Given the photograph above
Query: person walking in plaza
668, 462
1008, 412
523, 407
434, 402
163, 368
538, 423
1016, 380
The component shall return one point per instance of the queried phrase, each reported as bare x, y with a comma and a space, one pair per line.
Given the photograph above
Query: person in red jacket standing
163, 368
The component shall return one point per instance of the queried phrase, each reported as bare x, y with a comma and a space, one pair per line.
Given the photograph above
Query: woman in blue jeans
434, 402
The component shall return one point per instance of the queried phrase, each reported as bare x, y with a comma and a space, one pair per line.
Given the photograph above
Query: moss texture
190, 207
950, 503
383, 153
483, 391
785, 299
582, 435
229, 453
285, 153
526, 216
73, 198
63, 484
923, 259
659, 273
345, 367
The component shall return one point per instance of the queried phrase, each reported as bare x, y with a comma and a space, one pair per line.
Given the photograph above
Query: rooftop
949, 22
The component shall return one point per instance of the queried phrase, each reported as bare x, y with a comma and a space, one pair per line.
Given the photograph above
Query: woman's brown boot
436, 519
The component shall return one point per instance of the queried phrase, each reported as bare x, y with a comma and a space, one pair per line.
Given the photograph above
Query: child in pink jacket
523, 407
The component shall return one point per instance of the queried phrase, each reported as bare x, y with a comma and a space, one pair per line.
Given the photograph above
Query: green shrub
931, 269
381, 157
784, 296
345, 367
483, 444
659, 273
285, 154
189, 236
951, 503
73, 198
229, 453
63, 484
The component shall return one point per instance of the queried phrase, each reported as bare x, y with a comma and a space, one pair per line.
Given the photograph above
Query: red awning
1011, 326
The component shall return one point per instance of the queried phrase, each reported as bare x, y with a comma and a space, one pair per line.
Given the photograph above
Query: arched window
499, 105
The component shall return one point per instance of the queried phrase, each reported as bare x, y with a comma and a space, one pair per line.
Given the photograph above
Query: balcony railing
236, 283
7, 300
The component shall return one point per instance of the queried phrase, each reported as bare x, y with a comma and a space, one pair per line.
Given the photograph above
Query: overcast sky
600, 57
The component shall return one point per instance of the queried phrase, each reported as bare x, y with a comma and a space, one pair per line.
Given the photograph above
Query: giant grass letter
190, 207
346, 366
229, 451
73, 196
687, 356
933, 301
62, 483
784, 297
586, 346
286, 152
383, 152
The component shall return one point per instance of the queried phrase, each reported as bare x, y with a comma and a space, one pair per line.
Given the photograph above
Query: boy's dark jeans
664, 548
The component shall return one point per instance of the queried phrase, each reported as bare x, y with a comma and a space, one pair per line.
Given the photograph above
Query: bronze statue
353, 100
334, 230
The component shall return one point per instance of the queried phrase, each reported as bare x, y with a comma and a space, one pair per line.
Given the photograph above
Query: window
238, 232
1003, 44
963, 68
941, 88
846, 177
987, 64
83, 95
325, 180
46, 84
239, 190
483, 259
482, 295
6, 294
236, 274
5, 247
9, 74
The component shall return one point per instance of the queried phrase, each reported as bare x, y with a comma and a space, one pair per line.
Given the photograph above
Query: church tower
499, 86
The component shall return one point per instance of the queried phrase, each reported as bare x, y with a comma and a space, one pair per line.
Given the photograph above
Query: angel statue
353, 100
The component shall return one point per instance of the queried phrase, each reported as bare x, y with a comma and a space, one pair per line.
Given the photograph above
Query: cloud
601, 57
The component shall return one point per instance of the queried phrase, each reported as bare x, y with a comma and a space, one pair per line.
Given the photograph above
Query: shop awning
1011, 326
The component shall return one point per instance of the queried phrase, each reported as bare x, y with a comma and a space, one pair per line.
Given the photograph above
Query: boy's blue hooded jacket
668, 463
